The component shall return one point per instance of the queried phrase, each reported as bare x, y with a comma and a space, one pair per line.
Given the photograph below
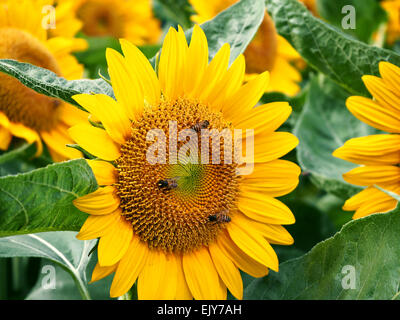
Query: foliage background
325, 237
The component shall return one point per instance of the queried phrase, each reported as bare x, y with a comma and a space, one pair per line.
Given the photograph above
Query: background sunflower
24, 113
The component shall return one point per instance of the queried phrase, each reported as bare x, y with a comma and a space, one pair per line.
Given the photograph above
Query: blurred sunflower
392, 7
268, 50
379, 154
183, 230
129, 19
23, 112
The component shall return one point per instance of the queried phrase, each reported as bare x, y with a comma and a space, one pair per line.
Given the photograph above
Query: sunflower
268, 50
392, 7
24, 113
184, 229
378, 154
130, 19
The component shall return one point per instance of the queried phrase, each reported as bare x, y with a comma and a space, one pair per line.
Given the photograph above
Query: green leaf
41, 200
366, 248
324, 125
236, 25
61, 248
66, 288
369, 16
21, 159
48, 83
326, 48
175, 11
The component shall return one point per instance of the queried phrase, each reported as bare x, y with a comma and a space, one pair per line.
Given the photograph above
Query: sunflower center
262, 51
19, 103
101, 18
180, 206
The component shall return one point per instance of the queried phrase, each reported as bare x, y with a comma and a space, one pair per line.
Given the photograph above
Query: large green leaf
236, 25
326, 48
324, 125
48, 83
41, 200
61, 248
366, 249
369, 15
66, 288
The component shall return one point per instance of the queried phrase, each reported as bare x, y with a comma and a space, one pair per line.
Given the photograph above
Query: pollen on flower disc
175, 219
19, 103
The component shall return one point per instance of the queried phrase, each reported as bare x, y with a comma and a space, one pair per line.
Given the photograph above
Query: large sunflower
379, 154
129, 19
268, 50
183, 230
23, 112
392, 7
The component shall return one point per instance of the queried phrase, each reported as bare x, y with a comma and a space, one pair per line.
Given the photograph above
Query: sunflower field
195, 149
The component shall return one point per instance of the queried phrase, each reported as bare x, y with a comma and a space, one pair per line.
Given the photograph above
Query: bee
201, 125
168, 184
220, 217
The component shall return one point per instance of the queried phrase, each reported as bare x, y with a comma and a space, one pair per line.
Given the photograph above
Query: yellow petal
127, 89
369, 201
100, 272
231, 82
172, 63
266, 118
252, 243
263, 208
115, 242
5, 138
272, 146
377, 149
275, 178
158, 278
57, 140
96, 226
240, 258
129, 267
213, 75
373, 114
228, 272
382, 94
197, 60
140, 67
202, 277
102, 201
95, 141
275, 234
370, 175
111, 114
391, 75
105, 172
4, 122
240, 104
182, 290
71, 115
29, 135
